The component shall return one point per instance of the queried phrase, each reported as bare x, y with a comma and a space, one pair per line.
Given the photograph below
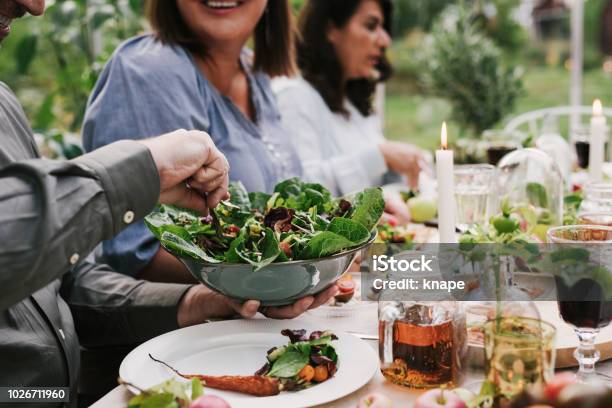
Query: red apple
209, 401
554, 387
438, 398
375, 401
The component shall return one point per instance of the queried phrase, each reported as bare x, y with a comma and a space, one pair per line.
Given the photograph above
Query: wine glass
473, 193
581, 257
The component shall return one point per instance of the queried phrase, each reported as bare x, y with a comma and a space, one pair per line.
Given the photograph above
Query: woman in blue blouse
194, 73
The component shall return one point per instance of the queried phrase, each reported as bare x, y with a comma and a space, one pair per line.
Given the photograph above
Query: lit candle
446, 190
597, 142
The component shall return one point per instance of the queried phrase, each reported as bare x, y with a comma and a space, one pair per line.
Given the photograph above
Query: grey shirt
51, 214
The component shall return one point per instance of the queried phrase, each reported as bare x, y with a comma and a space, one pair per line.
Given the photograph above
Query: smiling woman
195, 73
184, 22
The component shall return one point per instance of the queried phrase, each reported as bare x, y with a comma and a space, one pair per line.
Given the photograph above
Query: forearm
166, 268
54, 213
114, 309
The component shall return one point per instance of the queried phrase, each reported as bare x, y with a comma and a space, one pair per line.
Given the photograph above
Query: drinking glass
518, 351
597, 198
583, 259
422, 344
499, 143
580, 138
473, 194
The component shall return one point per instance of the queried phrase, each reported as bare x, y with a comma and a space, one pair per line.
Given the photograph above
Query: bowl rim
346, 252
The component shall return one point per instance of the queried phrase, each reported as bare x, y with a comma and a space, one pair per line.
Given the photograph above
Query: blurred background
476, 63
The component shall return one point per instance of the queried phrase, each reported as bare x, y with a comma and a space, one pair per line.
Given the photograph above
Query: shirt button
128, 217
74, 258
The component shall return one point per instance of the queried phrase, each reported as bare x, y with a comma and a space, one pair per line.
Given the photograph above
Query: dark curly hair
318, 61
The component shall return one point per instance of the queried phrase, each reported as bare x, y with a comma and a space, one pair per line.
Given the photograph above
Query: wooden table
366, 324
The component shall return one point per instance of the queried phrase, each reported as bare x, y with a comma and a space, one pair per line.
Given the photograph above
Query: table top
400, 396
364, 325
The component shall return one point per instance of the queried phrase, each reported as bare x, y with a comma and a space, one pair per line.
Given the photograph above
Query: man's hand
403, 158
193, 173
200, 304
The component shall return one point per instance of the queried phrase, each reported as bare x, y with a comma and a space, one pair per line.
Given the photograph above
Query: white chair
533, 122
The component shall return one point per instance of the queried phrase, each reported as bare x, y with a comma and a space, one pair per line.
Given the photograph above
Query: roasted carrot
257, 385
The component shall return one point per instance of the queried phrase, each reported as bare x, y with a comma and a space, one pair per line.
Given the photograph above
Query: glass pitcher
422, 344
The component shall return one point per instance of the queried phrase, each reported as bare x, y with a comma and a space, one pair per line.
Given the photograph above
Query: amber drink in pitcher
422, 345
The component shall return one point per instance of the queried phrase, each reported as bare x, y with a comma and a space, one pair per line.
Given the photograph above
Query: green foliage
24, 53
369, 205
169, 394
460, 64
277, 228
58, 145
341, 233
285, 362
501, 27
416, 14
289, 364
297, 5
571, 206
494, 17
61, 55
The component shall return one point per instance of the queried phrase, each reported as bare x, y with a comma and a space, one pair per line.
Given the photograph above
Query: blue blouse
148, 88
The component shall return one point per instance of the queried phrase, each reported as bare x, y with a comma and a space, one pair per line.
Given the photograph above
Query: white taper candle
597, 142
446, 190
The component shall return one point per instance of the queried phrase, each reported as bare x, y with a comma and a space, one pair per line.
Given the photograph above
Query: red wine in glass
496, 153
583, 305
582, 151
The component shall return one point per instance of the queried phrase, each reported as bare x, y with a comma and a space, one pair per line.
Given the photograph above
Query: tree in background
411, 15
495, 16
460, 64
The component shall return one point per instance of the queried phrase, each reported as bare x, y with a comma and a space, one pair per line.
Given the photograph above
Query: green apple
422, 209
540, 231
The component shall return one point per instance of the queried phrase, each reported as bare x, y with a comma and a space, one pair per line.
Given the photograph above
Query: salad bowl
277, 284
275, 248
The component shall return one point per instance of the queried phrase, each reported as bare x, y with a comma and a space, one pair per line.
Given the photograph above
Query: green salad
298, 221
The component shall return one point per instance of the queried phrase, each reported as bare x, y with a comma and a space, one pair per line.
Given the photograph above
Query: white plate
238, 347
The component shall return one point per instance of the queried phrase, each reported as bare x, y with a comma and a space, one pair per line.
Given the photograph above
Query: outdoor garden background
475, 63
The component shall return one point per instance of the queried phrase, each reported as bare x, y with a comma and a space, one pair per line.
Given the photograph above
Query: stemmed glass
581, 256
473, 193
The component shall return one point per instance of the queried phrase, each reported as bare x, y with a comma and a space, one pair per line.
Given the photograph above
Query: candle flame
597, 108
444, 137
